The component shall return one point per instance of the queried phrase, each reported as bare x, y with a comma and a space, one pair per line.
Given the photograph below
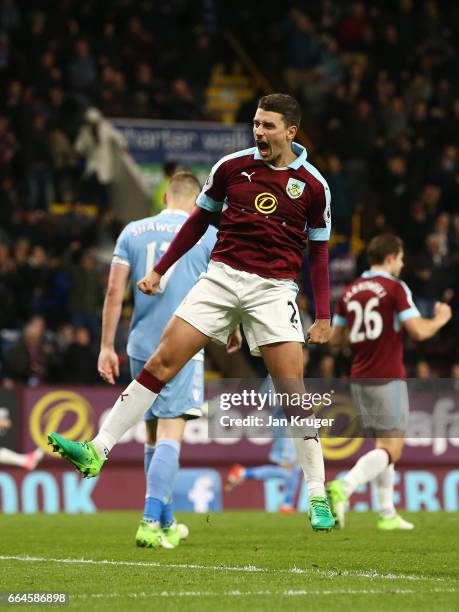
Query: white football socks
309, 456
367, 468
384, 487
9, 457
129, 408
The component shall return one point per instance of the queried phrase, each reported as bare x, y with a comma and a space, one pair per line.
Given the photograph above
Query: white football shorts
224, 297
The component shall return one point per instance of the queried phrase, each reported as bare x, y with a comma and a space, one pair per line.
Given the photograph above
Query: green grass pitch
233, 561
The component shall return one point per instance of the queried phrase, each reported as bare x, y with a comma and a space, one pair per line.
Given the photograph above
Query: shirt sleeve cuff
339, 321
206, 202
118, 259
318, 233
409, 313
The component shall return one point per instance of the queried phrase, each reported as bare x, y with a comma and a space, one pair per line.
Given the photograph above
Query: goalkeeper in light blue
139, 247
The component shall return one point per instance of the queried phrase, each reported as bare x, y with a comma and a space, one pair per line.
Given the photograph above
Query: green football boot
338, 499
176, 533
83, 455
172, 535
393, 522
320, 514
150, 535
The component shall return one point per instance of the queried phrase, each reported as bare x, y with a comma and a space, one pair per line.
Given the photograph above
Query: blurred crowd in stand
378, 82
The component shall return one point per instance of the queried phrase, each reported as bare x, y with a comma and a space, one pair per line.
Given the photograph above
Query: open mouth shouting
263, 148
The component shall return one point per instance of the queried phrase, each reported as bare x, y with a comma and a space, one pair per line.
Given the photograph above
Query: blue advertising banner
187, 143
198, 490
55, 488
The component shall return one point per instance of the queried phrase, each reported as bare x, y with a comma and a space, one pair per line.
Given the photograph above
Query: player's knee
161, 365
393, 448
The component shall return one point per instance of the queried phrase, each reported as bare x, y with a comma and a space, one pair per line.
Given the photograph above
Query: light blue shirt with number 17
140, 246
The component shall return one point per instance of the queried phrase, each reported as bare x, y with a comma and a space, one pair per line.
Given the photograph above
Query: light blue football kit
140, 246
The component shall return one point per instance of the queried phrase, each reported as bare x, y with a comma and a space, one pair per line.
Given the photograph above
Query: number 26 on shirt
368, 322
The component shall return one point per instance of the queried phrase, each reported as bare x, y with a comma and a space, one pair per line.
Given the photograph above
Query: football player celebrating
373, 312
270, 199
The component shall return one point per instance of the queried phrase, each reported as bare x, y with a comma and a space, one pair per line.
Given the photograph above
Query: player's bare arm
108, 363
421, 329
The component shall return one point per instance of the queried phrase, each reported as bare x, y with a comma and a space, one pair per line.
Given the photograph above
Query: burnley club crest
295, 188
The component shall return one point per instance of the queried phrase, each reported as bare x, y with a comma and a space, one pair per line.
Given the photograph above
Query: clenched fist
319, 332
149, 284
442, 312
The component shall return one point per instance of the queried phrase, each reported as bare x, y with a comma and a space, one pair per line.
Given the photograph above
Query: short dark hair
382, 246
285, 105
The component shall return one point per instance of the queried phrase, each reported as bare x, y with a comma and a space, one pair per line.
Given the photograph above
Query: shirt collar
299, 151
373, 273
177, 211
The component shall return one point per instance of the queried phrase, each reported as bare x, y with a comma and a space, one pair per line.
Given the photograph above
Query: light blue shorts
283, 452
183, 395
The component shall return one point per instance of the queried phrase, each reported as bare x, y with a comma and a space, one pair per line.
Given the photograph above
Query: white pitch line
289, 593
335, 573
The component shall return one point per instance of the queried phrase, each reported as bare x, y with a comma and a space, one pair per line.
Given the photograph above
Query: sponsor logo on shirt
265, 203
295, 188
